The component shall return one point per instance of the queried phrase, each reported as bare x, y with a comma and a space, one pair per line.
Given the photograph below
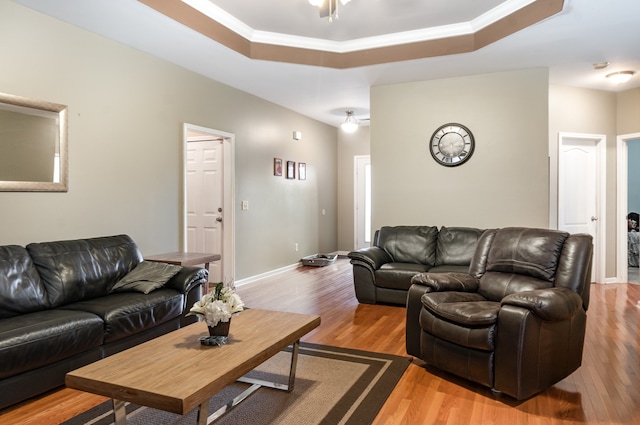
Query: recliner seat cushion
33, 340
128, 313
463, 318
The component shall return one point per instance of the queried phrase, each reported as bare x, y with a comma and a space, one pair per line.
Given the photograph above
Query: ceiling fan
328, 8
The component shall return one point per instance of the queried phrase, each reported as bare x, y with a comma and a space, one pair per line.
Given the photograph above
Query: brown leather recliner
516, 322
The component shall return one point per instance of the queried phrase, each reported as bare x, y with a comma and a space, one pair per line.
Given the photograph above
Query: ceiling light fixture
328, 8
620, 76
350, 124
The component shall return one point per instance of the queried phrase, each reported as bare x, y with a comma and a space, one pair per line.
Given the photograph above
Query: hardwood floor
605, 390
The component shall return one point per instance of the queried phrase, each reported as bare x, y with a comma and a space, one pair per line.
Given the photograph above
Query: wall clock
452, 145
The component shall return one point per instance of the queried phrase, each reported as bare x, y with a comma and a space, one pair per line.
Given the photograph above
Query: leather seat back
516, 260
21, 290
409, 244
82, 269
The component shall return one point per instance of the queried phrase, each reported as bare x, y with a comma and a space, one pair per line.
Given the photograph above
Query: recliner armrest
462, 282
552, 304
372, 256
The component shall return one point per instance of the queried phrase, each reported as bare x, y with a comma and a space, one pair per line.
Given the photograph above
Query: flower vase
220, 329
218, 334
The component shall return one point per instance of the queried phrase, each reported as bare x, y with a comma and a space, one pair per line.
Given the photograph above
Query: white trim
622, 149
219, 15
599, 266
260, 276
228, 153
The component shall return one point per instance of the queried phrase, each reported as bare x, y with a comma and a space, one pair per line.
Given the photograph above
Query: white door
205, 209
362, 178
580, 209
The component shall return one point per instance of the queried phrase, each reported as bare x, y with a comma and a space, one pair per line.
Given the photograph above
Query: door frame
228, 178
599, 266
622, 187
357, 195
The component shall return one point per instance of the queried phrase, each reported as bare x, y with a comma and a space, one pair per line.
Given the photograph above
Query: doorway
362, 201
624, 206
208, 211
581, 191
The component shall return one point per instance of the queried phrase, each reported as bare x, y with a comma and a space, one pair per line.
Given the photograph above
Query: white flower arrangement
218, 305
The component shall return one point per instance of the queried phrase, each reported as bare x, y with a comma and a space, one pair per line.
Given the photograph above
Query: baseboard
251, 279
257, 277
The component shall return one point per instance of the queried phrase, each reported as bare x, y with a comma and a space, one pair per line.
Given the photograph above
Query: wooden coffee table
174, 372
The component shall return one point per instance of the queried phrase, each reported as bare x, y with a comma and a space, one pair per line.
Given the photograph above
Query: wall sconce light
350, 124
620, 76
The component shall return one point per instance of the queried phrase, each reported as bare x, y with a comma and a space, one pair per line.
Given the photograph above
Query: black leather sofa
382, 272
58, 311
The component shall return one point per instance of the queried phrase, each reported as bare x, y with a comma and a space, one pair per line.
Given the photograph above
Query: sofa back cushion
409, 244
456, 245
521, 259
82, 269
21, 290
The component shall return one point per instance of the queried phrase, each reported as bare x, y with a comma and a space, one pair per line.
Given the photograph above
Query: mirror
33, 145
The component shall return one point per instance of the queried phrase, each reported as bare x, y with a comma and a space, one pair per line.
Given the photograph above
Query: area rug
333, 386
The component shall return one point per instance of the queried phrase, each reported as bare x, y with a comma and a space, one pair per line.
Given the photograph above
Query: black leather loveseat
59, 310
382, 272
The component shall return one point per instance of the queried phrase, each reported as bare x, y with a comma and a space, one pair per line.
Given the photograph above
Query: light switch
245, 205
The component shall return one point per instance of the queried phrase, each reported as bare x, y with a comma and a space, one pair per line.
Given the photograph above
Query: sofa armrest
373, 257
188, 278
552, 304
435, 282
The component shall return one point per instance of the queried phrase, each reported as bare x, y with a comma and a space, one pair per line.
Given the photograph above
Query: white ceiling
569, 43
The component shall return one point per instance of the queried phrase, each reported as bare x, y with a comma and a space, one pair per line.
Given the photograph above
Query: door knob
594, 218
219, 219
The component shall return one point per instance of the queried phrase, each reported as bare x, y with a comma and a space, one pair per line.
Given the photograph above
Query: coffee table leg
275, 385
203, 413
119, 412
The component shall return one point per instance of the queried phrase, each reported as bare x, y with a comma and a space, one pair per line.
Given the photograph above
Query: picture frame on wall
277, 166
302, 171
291, 169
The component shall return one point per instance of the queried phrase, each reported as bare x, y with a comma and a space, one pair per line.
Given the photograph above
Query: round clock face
451, 145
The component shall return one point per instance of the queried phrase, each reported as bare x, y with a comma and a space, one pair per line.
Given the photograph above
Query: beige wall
628, 111
349, 146
126, 111
504, 183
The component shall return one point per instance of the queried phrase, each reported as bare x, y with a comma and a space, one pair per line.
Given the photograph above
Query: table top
184, 258
168, 372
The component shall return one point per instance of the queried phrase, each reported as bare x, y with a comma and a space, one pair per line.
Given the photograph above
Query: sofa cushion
456, 245
34, 340
409, 244
128, 313
77, 270
21, 290
398, 275
146, 277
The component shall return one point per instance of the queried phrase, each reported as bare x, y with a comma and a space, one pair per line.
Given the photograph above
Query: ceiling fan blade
324, 8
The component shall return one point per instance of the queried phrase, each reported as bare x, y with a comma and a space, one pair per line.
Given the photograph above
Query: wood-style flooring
605, 390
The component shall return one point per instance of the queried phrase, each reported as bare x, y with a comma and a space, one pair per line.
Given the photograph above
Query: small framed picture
277, 166
291, 169
302, 171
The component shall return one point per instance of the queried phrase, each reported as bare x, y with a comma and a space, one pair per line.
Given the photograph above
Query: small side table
186, 259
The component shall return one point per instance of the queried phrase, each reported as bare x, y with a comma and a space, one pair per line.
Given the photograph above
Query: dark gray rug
333, 386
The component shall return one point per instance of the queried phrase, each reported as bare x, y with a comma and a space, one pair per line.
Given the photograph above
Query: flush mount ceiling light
328, 8
350, 124
620, 76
